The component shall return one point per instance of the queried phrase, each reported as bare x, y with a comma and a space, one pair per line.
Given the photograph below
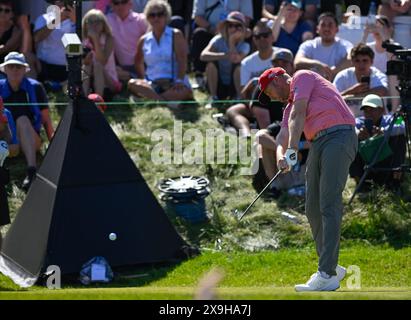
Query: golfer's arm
282, 142
296, 122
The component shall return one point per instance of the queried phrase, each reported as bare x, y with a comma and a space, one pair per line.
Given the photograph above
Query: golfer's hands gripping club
288, 160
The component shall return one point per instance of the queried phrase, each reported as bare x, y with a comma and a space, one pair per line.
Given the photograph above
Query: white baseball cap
15, 58
373, 101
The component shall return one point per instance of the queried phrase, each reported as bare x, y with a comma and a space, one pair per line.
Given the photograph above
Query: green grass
385, 274
262, 256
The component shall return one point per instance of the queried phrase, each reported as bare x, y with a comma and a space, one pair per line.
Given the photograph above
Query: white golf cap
15, 58
373, 101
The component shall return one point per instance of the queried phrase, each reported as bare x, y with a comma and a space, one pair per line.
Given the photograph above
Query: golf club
239, 215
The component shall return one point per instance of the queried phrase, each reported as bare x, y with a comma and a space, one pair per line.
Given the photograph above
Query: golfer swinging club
316, 107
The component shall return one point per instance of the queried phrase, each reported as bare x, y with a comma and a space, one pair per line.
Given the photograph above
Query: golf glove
291, 157
4, 151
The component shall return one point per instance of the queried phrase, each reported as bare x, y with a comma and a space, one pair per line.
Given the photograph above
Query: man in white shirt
47, 37
361, 79
325, 54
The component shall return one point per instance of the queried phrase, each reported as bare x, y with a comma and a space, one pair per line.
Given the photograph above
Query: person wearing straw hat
28, 108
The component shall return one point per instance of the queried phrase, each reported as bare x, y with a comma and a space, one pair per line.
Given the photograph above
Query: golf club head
237, 214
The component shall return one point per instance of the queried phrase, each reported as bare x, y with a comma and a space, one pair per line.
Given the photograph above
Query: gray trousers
328, 163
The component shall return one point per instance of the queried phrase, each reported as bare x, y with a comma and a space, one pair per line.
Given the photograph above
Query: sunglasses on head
116, 3
156, 14
5, 10
264, 35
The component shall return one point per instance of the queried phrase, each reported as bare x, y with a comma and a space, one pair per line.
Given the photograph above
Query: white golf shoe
319, 283
341, 272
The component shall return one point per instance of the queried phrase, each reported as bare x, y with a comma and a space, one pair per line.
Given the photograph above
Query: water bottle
372, 12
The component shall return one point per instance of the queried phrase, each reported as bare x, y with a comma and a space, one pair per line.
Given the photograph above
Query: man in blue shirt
375, 123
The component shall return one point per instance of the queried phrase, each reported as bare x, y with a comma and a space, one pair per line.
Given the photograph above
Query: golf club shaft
259, 195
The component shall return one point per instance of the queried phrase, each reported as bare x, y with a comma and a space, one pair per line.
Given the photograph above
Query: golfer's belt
339, 127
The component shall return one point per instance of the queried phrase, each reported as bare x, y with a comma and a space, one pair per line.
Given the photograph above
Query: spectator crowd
150, 47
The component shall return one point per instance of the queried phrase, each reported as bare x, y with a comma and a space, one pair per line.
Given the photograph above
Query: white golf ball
112, 236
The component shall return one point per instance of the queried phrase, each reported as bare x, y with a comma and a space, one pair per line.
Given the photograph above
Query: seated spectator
381, 31
326, 54
289, 29
239, 115
10, 34
24, 121
208, 16
271, 7
5, 138
49, 48
223, 55
379, 122
99, 64
361, 79
163, 52
127, 27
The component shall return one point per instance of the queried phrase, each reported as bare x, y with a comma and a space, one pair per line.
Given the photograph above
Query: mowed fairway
384, 272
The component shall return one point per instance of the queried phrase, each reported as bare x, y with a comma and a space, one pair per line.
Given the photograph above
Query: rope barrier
174, 102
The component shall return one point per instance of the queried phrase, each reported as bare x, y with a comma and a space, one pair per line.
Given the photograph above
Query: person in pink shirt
317, 108
99, 64
127, 27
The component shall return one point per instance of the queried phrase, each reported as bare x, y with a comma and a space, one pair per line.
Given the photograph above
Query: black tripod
404, 112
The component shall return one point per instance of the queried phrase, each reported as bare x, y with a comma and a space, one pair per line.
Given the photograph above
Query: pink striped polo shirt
326, 107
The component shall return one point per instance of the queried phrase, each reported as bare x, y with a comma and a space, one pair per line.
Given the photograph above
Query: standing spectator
208, 16
10, 34
127, 27
325, 54
25, 121
49, 48
361, 79
161, 59
223, 55
289, 29
99, 62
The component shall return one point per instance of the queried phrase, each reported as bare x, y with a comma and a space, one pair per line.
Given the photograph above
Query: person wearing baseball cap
316, 108
29, 111
373, 123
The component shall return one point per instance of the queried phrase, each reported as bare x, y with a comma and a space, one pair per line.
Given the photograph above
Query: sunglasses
5, 10
264, 35
116, 3
156, 14
235, 25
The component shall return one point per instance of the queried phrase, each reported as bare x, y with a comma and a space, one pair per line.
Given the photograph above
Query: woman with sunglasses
99, 63
10, 34
223, 55
161, 59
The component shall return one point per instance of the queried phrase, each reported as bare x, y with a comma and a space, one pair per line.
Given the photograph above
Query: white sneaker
341, 272
319, 283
